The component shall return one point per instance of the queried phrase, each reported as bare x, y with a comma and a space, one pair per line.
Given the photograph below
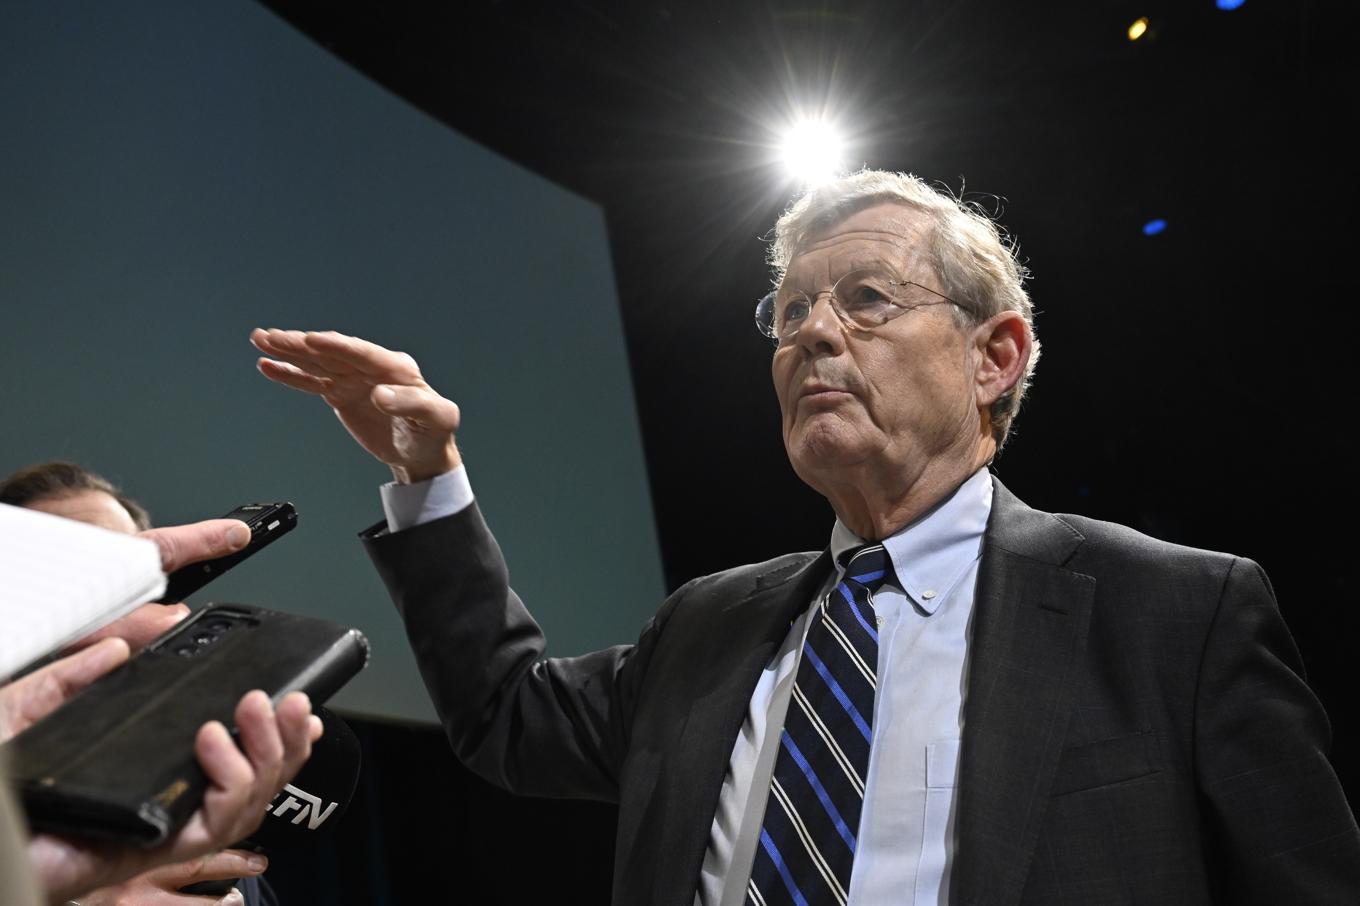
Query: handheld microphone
306, 809
318, 796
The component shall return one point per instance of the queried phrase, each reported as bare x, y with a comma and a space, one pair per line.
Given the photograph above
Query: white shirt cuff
409, 505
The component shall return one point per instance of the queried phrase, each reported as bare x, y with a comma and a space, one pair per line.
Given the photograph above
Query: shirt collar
930, 555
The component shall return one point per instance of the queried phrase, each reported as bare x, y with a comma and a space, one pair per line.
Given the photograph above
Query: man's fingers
242, 779
283, 343
218, 866
74, 673
291, 346
294, 377
227, 767
298, 728
240, 788
235, 771
184, 544
375, 361
229, 811
26, 701
335, 361
258, 732
139, 628
432, 412
378, 395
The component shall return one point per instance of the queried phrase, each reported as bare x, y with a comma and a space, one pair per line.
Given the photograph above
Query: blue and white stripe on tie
807, 839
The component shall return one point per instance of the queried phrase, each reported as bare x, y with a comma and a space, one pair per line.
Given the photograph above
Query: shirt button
928, 593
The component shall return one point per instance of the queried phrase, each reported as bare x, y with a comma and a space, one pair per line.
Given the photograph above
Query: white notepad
61, 579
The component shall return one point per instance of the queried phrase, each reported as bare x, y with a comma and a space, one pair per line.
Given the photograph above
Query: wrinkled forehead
887, 237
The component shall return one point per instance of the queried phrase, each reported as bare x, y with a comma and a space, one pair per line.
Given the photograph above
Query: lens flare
813, 152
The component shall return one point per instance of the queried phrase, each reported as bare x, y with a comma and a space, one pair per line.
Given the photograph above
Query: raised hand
378, 395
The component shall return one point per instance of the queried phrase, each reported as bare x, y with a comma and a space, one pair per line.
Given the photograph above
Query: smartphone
268, 522
117, 762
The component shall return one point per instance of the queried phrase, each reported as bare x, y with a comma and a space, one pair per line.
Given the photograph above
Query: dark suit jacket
1136, 725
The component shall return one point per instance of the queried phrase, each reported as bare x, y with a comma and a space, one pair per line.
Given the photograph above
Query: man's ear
1004, 345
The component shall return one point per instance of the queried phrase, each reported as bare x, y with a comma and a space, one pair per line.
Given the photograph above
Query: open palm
379, 395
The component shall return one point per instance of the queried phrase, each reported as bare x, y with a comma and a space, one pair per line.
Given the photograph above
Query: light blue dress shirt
906, 837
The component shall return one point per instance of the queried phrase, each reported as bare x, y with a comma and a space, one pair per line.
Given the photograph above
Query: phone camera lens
216, 626
185, 651
203, 638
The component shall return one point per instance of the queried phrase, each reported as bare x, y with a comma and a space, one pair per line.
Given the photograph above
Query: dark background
1196, 385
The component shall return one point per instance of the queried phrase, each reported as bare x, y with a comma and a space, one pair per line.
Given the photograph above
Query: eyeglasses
863, 299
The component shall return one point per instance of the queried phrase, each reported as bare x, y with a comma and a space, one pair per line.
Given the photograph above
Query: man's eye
795, 311
864, 296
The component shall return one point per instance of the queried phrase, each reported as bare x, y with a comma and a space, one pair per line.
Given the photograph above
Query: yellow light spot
1138, 28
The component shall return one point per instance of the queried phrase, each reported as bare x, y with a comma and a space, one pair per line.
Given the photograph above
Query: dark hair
47, 480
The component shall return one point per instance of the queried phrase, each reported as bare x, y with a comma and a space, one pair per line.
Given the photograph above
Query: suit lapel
716, 714
1030, 619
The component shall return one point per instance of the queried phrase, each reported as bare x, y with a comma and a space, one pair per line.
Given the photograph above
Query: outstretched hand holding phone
181, 546
274, 743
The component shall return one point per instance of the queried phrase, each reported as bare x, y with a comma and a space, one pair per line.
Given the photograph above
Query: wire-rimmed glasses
863, 299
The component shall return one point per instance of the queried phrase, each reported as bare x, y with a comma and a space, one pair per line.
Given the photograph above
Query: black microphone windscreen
313, 803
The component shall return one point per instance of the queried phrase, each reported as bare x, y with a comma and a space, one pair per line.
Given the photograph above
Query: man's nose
823, 326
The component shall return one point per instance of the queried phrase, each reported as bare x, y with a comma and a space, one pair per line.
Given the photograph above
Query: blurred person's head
66, 489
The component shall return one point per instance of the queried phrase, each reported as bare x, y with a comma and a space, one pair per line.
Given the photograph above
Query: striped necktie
807, 840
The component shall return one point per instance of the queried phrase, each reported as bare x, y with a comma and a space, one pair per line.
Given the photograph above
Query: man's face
896, 396
95, 507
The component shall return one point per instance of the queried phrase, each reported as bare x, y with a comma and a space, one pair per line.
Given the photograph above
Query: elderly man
961, 700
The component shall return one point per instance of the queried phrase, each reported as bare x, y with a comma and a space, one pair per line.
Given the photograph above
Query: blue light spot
1153, 227
1228, 4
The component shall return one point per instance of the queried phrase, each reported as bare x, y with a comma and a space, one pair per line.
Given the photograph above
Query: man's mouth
817, 390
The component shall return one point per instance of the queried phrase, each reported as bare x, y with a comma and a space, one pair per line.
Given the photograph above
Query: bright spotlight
1138, 28
812, 151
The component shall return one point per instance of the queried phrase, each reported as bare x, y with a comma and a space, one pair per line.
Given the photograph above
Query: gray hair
975, 260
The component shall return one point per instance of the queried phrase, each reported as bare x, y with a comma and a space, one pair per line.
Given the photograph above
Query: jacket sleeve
1283, 830
543, 727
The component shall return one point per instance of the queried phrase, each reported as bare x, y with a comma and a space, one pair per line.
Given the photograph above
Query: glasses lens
765, 316
869, 297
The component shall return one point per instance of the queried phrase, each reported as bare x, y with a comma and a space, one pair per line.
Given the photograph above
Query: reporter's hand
378, 395
242, 782
184, 544
29, 699
160, 886
179, 545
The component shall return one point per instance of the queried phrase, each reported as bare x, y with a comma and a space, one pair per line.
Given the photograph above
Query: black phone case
117, 760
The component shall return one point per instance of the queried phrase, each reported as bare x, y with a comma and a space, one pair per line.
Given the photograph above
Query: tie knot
868, 566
